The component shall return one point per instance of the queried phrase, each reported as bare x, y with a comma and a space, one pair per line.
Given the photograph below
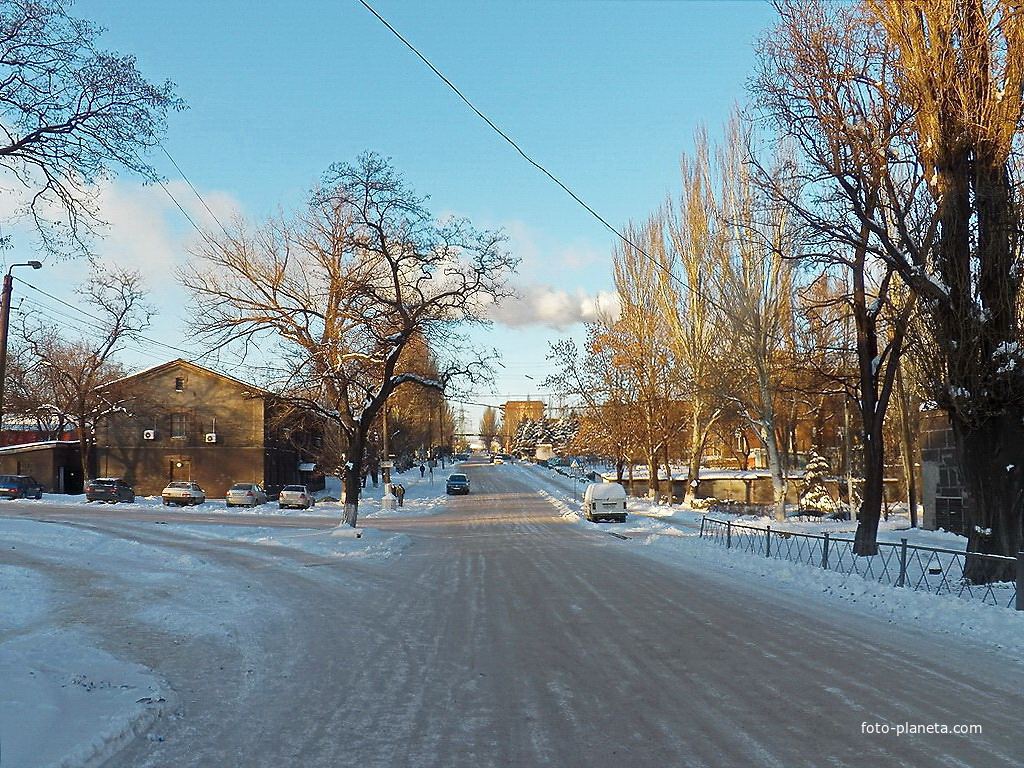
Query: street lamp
5, 320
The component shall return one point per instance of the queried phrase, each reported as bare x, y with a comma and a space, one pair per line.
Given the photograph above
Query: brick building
181, 421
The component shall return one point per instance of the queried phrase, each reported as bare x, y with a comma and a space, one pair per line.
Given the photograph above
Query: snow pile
66, 703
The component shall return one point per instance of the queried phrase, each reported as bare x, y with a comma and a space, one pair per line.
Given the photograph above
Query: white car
182, 492
245, 495
297, 496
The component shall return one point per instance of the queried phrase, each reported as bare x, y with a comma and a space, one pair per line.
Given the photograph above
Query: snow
66, 702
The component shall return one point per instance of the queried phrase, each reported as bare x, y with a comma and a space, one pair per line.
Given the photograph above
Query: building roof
181, 363
37, 446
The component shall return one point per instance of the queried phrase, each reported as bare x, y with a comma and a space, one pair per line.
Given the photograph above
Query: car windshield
458, 479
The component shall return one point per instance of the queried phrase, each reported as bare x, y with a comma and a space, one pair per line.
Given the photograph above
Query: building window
179, 384
179, 426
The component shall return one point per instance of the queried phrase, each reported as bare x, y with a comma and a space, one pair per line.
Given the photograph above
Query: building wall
942, 493
55, 465
180, 404
516, 411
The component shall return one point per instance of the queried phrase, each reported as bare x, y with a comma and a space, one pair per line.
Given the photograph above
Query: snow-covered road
500, 631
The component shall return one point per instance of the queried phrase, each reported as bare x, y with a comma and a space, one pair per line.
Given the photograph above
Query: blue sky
605, 94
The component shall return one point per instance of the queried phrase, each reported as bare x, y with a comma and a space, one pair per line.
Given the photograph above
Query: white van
605, 501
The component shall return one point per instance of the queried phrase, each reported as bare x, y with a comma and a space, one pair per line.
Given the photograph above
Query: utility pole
5, 322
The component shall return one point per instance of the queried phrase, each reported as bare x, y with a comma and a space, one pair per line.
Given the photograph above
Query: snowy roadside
66, 703
671, 533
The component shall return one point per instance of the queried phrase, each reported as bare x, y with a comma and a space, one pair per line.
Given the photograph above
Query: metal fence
926, 569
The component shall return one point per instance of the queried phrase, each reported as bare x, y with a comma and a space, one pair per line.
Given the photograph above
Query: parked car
20, 487
182, 492
245, 495
109, 489
295, 496
457, 483
605, 501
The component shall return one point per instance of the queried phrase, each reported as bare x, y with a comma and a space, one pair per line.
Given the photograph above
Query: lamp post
5, 321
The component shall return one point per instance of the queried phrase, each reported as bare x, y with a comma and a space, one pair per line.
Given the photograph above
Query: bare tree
960, 67
73, 379
919, 146
685, 276
488, 427
643, 340
755, 298
605, 391
343, 289
855, 170
69, 115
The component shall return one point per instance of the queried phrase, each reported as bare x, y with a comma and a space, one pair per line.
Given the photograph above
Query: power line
504, 135
194, 191
93, 325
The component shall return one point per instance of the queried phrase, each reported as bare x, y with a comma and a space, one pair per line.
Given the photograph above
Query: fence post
824, 552
728, 534
902, 582
1020, 581
768, 541
702, 519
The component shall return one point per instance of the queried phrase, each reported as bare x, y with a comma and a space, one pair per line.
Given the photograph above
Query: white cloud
143, 225
146, 227
553, 307
540, 256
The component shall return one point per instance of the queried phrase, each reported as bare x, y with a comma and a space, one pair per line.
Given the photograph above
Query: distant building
181, 421
516, 411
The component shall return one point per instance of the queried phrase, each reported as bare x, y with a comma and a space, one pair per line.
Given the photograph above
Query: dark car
109, 489
20, 487
457, 483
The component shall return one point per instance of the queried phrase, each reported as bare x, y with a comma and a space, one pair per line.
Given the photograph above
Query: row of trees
873, 251
353, 305
354, 298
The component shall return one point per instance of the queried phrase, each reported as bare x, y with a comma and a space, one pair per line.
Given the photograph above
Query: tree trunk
353, 478
778, 473
692, 478
84, 447
992, 467
668, 471
653, 487
353, 485
698, 437
865, 541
